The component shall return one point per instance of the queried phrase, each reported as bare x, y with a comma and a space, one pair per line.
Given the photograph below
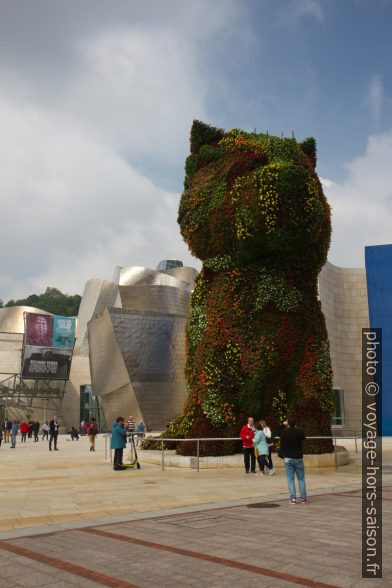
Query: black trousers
118, 457
44, 434
269, 458
249, 459
53, 437
35, 435
262, 461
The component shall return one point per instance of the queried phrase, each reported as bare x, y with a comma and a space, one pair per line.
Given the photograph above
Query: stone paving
69, 520
317, 544
38, 487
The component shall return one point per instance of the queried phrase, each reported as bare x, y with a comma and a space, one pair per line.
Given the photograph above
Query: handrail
199, 439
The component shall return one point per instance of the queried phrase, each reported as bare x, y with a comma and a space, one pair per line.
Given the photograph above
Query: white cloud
72, 208
140, 91
375, 97
309, 8
326, 182
299, 9
362, 204
74, 202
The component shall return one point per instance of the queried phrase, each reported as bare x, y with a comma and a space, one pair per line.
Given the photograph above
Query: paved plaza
69, 520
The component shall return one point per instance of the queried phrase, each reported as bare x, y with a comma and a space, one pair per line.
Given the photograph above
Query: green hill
52, 300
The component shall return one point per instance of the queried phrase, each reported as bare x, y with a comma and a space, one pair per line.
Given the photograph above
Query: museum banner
48, 346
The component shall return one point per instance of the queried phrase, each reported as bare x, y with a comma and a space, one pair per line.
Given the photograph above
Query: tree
52, 300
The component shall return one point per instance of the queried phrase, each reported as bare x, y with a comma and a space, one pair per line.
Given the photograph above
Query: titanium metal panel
155, 298
378, 262
186, 274
143, 355
132, 276
11, 337
108, 371
97, 295
11, 318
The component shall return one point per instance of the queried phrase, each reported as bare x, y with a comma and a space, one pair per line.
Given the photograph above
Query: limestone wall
343, 295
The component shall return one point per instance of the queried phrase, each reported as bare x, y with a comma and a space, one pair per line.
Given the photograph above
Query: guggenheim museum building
129, 353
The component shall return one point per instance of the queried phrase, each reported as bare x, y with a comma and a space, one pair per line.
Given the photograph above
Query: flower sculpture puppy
253, 210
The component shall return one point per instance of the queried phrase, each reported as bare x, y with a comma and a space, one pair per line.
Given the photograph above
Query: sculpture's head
250, 197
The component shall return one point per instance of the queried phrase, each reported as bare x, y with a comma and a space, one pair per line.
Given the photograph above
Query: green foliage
282, 150
254, 212
203, 134
191, 167
309, 147
218, 264
197, 324
209, 153
272, 288
218, 196
52, 300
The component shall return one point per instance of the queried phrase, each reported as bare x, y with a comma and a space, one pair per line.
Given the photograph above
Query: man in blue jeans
291, 449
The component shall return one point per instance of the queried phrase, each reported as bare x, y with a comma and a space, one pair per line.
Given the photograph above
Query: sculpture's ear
203, 134
309, 147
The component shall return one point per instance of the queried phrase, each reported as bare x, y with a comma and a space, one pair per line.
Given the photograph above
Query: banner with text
48, 346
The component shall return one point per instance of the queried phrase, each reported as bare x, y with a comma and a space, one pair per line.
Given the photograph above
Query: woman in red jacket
24, 429
247, 434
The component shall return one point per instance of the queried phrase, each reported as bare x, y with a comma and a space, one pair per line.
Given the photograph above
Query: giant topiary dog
253, 210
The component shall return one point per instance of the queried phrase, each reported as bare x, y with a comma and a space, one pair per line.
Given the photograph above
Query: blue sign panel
378, 261
63, 332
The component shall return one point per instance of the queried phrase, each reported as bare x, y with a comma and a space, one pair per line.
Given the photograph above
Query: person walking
24, 429
291, 449
270, 441
4, 431
140, 429
36, 427
130, 425
260, 443
247, 434
53, 433
92, 432
45, 431
118, 442
14, 432
1, 436
7, 430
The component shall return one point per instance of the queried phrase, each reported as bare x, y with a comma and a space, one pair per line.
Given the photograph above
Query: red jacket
247, 436
24, 428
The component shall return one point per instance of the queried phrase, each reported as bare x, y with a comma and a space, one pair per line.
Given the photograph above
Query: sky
97, 98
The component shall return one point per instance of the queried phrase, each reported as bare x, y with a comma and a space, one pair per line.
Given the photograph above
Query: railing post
198, 454
106, 448
162, 457
356, 443
336, 453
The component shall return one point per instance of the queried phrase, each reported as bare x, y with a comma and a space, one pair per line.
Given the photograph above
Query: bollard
162, 458
198, 454
336, 453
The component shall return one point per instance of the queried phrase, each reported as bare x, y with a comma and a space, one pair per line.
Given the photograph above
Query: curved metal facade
137, 345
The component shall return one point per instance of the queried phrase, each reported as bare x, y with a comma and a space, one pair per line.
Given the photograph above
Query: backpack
92, 429
270, 440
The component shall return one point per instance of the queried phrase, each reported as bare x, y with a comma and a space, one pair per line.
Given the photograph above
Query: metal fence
204, 439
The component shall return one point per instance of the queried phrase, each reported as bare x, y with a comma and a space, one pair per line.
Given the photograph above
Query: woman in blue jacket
118, 442
260, 443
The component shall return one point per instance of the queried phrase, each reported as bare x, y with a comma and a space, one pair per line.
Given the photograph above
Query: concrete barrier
323, 460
